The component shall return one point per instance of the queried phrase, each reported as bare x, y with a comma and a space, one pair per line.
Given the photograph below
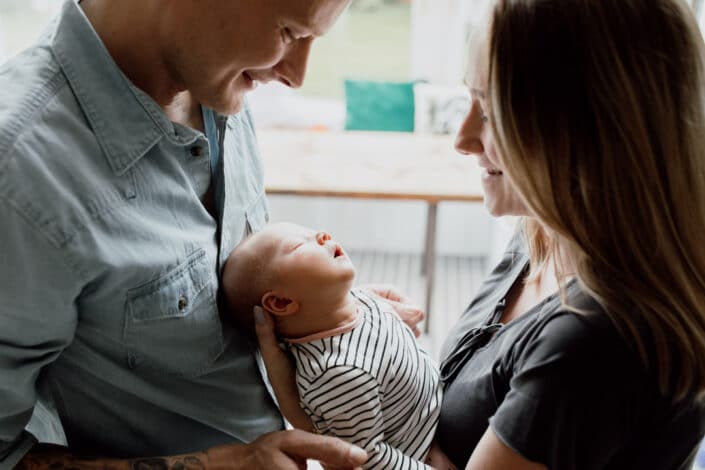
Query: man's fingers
409, 313
386, 291
414, 313
330, 451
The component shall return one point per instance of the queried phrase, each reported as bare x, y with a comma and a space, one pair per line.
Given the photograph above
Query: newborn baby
360, 373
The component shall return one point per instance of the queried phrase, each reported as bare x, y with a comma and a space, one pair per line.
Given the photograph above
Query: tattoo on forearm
188, 462
43, 460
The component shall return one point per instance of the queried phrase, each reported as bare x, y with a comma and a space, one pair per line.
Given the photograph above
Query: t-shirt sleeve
573, 395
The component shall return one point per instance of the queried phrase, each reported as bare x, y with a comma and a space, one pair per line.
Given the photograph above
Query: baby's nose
322, 237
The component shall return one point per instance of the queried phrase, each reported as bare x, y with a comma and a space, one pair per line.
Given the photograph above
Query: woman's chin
494, 209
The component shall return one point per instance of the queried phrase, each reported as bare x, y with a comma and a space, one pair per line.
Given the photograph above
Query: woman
584, 349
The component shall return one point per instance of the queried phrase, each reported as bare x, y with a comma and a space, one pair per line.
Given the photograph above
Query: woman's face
475, 138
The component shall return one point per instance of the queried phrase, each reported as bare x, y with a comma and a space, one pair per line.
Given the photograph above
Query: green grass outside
371, 44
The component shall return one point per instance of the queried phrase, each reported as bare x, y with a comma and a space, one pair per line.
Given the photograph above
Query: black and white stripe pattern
372, 386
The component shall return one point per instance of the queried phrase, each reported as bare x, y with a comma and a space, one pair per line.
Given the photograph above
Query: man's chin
231, 105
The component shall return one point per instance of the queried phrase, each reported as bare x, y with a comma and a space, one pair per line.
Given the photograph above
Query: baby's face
307, 265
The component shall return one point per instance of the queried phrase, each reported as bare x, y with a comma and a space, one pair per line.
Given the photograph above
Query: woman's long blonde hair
598, 110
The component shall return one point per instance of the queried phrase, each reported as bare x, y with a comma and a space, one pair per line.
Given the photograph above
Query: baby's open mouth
338, 251
494, 172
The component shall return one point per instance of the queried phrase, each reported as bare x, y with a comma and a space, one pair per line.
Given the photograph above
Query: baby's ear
279, 305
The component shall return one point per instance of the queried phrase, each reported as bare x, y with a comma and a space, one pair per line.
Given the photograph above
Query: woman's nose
323, 237
468, 141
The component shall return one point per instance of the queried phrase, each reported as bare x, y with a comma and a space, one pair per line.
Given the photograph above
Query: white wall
439, 36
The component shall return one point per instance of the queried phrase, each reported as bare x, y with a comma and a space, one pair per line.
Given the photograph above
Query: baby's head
288, 269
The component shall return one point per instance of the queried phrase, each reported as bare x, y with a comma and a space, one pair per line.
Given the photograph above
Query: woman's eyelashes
484, 117
481, 112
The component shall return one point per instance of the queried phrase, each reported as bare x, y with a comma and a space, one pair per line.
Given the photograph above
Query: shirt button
196, 151
183, 303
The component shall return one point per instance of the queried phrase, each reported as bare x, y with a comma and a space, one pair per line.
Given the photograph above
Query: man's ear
279, 305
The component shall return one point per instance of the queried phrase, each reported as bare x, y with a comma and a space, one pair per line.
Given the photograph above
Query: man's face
218, 49
307, 266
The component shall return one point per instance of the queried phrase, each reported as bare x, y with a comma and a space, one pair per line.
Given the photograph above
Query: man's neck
185, 110
134, 44
318, 319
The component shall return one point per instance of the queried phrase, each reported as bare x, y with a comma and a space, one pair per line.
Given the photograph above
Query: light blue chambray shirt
110, 335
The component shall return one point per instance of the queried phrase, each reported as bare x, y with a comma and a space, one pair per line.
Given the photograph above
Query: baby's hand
410, 313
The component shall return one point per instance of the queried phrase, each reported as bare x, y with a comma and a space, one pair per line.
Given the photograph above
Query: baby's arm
344, 402
281, 373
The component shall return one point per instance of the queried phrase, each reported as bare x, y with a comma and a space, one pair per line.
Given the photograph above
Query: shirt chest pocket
173, 326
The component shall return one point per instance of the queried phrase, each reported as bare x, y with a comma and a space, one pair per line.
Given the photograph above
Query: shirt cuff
12, 452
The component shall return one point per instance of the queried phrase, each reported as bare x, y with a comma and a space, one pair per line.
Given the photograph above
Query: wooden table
372, 165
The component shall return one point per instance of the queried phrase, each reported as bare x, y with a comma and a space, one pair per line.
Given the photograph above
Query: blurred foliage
370, 43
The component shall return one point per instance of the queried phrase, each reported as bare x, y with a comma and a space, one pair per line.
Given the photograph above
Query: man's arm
38, 288
278, 450
49, 457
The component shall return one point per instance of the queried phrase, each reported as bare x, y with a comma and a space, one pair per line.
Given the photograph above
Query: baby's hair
247, 276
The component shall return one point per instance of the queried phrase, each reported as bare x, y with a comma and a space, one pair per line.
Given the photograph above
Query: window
370, 41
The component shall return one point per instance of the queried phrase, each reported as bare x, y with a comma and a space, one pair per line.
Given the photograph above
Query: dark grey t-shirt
559, 388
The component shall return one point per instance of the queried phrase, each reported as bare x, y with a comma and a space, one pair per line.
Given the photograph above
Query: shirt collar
329, 333
125, 120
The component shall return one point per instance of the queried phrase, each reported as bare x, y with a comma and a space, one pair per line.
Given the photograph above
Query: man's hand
410, 313
289, 450
283, 450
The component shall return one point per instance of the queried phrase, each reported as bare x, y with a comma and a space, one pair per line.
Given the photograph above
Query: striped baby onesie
371, 385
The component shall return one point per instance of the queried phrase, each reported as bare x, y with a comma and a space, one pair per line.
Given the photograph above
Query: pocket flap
172, 295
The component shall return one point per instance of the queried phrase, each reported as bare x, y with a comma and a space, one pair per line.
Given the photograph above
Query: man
128, 172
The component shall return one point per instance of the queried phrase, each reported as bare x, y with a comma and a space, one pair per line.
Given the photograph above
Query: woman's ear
279, 305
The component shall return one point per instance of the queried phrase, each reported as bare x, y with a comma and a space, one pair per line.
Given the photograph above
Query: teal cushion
379, 106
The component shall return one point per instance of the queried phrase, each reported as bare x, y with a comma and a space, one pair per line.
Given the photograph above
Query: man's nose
468, 141
291, 70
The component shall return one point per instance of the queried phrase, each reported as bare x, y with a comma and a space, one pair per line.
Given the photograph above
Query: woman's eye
287, 36
484, 117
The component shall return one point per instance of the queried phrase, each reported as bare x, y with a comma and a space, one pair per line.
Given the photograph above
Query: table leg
429, 258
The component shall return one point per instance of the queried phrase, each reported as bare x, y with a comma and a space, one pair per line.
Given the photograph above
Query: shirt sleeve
573, 396
38, 317
344, 402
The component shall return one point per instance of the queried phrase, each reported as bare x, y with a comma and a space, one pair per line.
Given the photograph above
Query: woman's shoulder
579, 388
578, 337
